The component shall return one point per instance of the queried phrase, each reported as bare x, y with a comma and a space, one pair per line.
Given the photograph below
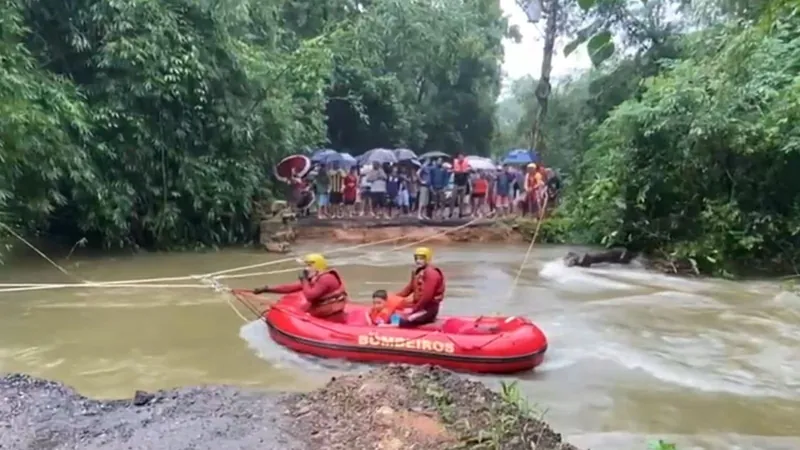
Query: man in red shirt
461, 170
323, 288
350, 192
427, 289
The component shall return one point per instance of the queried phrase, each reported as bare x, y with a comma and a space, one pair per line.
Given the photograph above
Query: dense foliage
133, 122
688, 145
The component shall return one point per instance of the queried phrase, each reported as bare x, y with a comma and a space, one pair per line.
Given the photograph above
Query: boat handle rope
479, 319
306, 318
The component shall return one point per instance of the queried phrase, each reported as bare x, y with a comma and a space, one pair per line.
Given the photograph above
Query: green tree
419, 74
701, 167
135, 123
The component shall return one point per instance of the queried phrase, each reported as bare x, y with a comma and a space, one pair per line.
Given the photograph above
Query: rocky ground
393, 407
37, 414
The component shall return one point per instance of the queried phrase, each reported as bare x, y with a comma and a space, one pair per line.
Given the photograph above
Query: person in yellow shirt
336, 176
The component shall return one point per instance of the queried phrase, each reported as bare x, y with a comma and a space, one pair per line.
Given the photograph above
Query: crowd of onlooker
436, 190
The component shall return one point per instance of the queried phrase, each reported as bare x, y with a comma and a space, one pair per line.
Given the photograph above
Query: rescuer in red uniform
426, 289
323, 288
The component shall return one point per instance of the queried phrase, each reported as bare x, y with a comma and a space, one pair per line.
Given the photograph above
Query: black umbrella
434, 155
404, 154
378, 155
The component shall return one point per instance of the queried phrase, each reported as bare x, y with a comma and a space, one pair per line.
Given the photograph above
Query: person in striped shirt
336, 176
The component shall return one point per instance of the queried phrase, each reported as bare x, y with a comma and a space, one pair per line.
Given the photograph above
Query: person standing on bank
336, 181
350, 192
377, 190
439, 177
424, 190
322, 186
461, 184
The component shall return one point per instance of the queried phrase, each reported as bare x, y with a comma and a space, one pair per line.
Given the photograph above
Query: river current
633, 355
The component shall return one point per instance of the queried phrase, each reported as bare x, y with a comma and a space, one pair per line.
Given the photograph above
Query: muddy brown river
633, 355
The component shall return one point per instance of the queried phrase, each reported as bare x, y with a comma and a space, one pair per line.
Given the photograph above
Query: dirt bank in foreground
390, 408
401, 407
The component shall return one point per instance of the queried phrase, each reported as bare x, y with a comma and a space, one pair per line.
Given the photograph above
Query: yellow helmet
423, 252
316, 260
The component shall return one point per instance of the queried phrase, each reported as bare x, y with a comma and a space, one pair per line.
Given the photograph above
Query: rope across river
212, 279
199, 279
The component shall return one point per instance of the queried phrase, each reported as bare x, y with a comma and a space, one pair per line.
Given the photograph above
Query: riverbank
363, 230
408, 230
276, 236
389, 408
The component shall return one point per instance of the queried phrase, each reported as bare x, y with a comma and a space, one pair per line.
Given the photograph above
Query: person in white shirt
377, 190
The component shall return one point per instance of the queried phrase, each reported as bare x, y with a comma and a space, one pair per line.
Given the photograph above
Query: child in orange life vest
384, 307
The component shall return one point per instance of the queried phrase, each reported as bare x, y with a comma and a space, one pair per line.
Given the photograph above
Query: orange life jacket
332, 303
393, 303
418, 277
460, 165
538, 178
530, 182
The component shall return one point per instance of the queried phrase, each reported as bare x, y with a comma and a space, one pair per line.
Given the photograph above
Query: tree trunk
552, 9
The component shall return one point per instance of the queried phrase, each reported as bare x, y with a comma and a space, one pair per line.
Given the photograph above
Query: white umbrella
480, 163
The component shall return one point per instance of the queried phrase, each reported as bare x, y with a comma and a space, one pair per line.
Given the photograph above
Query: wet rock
141, 398
284, 236
612, 256
277, 247
302, 411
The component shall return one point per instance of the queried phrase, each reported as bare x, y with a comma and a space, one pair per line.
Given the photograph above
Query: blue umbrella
404, 154
520, 156
378, 155
331, 158
360, 158
321, 155
348, 160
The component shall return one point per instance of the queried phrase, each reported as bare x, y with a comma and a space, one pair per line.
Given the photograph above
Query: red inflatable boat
466, 344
